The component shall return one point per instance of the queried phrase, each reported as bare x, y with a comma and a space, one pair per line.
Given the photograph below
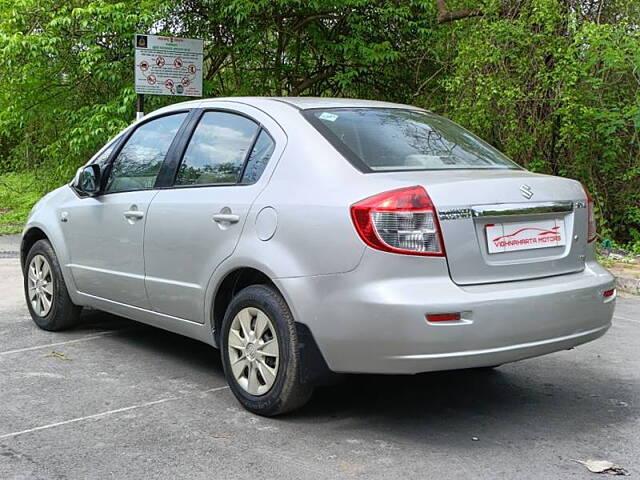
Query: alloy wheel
40, 285
253, 351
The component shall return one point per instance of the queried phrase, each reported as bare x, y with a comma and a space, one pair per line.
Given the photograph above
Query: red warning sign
177, 62
160, 62
144, 66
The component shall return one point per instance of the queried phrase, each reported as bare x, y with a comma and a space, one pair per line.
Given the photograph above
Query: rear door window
258, 158
218, 149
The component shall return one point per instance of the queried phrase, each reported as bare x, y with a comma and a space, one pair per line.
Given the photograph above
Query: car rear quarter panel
311, 191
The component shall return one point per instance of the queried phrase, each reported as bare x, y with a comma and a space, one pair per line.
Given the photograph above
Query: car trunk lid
506, 225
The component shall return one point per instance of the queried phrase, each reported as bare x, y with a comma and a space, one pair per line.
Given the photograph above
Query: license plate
509, 237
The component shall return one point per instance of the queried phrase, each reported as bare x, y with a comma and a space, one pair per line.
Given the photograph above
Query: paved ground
122, 400
9, 245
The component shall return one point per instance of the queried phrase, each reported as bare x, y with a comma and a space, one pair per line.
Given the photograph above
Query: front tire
260, 353
46, 293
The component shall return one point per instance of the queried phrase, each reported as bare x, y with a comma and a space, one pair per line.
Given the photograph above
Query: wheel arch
231, 283
29, 238
34, 231
314, 368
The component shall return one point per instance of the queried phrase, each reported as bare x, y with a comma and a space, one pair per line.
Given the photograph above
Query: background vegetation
553, 83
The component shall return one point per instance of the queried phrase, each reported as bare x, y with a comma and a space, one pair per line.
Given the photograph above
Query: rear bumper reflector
443, 317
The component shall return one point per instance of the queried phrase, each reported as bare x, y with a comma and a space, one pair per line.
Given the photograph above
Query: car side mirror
89, 180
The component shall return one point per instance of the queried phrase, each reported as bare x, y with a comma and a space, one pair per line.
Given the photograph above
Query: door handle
226, 218
133, 214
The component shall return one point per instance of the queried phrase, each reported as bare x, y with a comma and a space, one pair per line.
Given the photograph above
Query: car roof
305, 103
299, 103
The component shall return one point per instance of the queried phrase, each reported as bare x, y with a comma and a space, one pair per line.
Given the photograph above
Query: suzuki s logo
526, 192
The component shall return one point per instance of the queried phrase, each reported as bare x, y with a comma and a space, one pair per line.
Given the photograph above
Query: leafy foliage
18, 192
553, 83
557, 87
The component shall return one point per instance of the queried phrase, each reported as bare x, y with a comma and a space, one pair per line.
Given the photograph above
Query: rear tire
260, 353
45, 291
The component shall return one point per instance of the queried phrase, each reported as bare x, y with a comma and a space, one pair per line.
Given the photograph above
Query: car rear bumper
492, 356
372, 320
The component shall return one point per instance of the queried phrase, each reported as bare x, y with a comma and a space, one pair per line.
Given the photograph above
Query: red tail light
592, 227
399, 221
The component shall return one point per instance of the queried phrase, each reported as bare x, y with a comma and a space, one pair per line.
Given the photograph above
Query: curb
628, 285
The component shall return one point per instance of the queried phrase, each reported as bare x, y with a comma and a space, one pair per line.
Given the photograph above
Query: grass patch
605, 260
19, 191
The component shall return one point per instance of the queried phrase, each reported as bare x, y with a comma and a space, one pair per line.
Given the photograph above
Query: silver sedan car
305, 237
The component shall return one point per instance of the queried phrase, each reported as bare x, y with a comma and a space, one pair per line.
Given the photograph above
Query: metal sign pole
139, 106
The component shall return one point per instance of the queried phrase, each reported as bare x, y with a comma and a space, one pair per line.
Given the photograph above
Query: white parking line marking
105, 414
618, 317
48, 345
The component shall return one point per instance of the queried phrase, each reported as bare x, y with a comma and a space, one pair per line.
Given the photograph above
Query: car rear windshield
390, 139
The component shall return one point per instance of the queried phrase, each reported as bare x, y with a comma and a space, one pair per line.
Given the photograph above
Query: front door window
138, 163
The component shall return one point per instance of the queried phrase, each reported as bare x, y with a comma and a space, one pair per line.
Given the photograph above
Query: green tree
553, 83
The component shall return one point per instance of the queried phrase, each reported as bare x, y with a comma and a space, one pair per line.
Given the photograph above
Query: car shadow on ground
522, 398
137, 335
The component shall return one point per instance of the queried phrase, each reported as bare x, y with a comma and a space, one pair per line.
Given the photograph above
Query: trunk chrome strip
509, 209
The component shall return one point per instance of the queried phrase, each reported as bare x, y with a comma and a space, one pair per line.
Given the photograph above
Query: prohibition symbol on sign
168, 66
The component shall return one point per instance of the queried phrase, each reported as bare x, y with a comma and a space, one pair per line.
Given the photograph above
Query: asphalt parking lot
116, 399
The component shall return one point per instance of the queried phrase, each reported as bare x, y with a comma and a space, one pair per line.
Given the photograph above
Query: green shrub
18, 193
